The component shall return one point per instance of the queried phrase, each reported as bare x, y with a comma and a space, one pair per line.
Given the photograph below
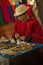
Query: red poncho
30, 28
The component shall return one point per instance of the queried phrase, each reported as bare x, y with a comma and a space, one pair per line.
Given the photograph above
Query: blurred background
7, 19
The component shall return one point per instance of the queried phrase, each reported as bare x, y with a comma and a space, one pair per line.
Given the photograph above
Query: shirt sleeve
37, 33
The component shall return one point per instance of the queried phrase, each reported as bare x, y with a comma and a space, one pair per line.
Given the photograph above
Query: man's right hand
17, 35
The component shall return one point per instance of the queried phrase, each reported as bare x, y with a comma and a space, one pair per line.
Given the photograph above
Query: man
27, 28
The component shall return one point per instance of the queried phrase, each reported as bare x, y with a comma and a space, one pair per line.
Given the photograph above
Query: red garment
6, 2
30, 28
35, 31
20, 28
6, 15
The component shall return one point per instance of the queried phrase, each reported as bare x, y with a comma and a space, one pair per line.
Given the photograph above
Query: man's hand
17, 35
23, 38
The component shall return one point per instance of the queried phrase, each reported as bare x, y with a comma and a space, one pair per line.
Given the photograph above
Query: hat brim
18, 14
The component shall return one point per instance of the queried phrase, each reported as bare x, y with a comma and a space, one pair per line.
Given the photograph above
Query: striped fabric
11, 12
1, 18
7, 15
